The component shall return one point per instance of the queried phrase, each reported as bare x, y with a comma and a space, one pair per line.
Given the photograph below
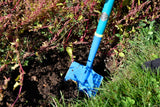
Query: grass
131, 86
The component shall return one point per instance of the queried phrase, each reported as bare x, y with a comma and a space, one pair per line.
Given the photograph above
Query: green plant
125, 19
30, 28
3, 87
131, 86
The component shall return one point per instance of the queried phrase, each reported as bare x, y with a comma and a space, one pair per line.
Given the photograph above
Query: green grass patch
132, 86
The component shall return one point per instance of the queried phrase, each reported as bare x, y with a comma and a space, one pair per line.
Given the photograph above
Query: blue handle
99, 32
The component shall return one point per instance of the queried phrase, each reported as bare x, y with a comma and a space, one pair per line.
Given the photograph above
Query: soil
45, 80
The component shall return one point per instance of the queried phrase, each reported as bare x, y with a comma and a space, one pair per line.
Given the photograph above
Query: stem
16, 5
21, 81
21, 71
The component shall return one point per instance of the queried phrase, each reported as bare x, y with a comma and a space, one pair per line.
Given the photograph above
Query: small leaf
6, 82
154, 56
142, 24
59, 4
70, 52
26, 63
36, 54
133, 29
17, 40
39, 25
16, 85
61, 74
116, 51
18, 77
149, 93
119, 27
97, 11
71, 15
130, 100
132, 18
12, 43
150, 32
158, 96
50, 27
121, 54
139, 2
1, 96
15, 66
118, 35
80, 17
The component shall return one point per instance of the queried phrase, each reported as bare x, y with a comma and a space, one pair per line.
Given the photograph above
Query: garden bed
44, 80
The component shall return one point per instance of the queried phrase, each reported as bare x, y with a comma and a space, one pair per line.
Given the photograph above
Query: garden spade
86, 78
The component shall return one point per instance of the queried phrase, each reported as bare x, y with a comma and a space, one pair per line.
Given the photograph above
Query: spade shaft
99, 31
86, 78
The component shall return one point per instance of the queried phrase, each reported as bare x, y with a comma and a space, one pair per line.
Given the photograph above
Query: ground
43, 80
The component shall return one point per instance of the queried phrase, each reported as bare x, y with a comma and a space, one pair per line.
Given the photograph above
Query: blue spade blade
87, 79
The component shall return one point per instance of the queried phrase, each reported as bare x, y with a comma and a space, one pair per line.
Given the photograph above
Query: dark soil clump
44, 80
